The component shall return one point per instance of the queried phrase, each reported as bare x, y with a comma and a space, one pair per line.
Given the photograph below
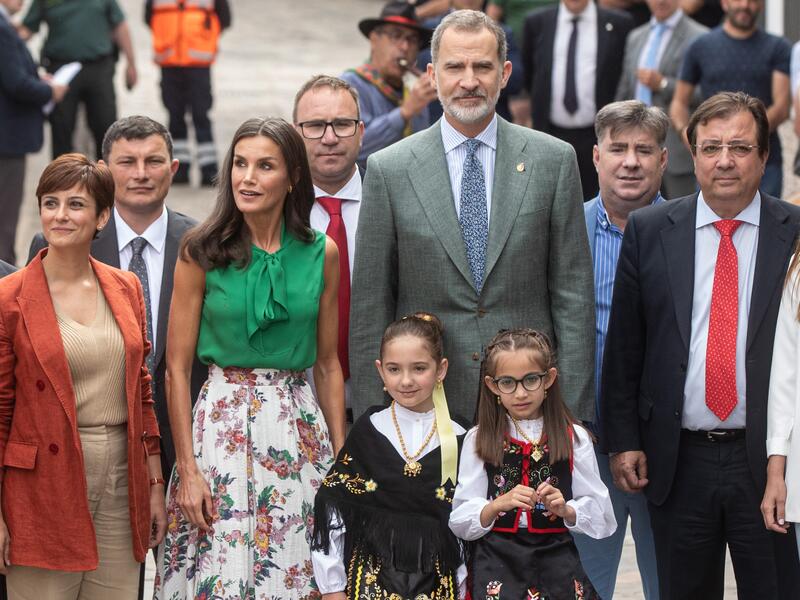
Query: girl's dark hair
423, 325
792, 275
223, 238
492, 424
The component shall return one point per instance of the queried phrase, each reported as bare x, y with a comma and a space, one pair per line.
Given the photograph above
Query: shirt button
40, 385
481, 312
677, 414
54, 448
476, 356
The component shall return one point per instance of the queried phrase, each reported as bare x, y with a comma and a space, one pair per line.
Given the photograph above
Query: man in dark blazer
138, 151
572, 60
687, 362
22, 96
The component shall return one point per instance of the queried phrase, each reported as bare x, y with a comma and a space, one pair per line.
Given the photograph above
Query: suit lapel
171, 246
105, 247
668, 57
431, 183
41, 324
775, 239
508, 189
603, 33
677, 242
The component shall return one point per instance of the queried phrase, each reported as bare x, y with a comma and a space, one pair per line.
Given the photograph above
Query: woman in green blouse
255, 297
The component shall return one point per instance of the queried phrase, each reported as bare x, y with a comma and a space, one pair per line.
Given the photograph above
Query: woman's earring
498, 400
384, 389
545, 394
290, 188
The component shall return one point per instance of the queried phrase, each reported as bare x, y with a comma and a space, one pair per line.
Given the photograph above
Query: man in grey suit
653, 56
478, 221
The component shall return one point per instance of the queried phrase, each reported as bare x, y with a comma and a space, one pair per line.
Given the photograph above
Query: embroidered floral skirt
262, 444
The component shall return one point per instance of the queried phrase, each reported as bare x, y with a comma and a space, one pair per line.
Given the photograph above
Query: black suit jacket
22, 95
647, 348
6, 269
105, 249
537, 58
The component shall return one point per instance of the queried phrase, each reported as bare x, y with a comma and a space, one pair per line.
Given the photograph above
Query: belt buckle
716, 436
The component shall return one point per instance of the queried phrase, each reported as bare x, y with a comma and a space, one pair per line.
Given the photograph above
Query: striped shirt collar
602, 216
452, 138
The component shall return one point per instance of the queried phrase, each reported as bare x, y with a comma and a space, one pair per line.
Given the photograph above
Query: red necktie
338, 234
722, 325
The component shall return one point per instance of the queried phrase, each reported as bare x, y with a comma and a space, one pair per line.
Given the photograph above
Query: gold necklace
412, 468
536, 451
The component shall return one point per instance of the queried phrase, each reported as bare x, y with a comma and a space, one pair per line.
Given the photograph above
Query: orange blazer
44, 494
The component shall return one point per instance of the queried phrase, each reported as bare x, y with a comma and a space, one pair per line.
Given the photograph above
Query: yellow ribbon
447, 437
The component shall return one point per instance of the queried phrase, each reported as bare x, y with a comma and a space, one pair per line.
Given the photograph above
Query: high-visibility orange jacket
185, 32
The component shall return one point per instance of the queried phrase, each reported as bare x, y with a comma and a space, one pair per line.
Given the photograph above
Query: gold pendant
537, 453
412, 469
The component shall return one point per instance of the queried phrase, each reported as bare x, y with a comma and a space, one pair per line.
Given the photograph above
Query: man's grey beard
470, 114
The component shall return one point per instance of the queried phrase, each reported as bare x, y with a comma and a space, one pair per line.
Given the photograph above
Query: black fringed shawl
398, 519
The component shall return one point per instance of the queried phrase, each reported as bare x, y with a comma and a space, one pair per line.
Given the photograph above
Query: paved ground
272, 48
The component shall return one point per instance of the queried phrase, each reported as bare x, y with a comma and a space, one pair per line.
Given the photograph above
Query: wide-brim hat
398, 12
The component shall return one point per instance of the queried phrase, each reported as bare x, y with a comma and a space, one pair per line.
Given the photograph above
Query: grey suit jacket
105, 249
410, 256
680, 161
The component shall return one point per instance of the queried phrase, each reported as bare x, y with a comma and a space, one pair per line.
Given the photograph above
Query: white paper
62, 76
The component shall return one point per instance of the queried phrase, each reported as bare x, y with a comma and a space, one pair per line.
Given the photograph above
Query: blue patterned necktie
644, 93
139, 268
473, 214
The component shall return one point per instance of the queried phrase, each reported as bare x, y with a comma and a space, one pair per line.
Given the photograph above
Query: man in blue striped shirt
630, 157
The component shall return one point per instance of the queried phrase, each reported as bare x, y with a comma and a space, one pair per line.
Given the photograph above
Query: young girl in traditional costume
528, 476
381, 512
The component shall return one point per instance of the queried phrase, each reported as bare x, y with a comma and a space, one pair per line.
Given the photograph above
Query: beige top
96, 358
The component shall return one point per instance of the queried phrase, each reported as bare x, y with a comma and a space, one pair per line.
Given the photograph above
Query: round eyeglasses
531, 382
314, 130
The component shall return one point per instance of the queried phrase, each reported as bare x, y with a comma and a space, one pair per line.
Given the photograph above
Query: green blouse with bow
265, 314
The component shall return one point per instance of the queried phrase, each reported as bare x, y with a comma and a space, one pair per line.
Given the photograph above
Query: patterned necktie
723, 324
336, 230
570, 85
139, 268
644, 93
474, 216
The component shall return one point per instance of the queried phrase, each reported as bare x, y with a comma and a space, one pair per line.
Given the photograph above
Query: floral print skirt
262, 444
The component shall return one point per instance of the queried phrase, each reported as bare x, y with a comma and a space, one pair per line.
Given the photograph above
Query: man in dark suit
687, 361
22, 96
138, 151
572, 60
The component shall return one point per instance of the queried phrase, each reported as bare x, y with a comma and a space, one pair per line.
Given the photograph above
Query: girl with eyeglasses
527, 477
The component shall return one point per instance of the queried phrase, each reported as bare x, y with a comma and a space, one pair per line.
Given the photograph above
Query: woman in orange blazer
82, 493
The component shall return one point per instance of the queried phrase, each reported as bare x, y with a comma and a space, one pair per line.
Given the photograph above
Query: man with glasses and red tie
393, 96
327, 116
687, 361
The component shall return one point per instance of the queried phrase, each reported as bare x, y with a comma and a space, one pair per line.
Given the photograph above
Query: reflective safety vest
185, 32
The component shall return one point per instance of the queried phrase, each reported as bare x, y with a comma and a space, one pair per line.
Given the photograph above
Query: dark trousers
12, 180
583, 140
94, 87
188, 89
714, 502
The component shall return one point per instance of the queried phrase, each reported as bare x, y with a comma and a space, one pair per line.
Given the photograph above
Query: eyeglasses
531, 382
314, 130
398, 35
711, 149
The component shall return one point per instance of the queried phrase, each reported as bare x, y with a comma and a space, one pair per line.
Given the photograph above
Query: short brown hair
70, 170
727, 104
631, 114
135, 127
320, 81
423, 325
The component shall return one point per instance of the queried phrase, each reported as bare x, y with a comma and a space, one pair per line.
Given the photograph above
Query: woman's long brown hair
492, 422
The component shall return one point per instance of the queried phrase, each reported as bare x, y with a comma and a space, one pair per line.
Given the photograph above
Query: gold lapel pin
521, 167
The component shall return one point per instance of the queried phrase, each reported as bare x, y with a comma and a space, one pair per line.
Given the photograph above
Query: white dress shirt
594, 514
696, 415
455, 152
670, 23
351, 193
329, 569
585, 68
153, 255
